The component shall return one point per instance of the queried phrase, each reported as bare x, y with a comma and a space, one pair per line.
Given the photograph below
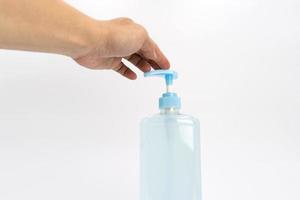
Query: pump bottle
169, 149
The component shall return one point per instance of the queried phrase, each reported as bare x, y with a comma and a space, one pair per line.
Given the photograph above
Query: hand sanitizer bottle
170, 149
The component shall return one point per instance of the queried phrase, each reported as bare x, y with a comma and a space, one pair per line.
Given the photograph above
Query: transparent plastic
170, 157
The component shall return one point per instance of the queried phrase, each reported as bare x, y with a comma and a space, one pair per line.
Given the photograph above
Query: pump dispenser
170, 149
168, 99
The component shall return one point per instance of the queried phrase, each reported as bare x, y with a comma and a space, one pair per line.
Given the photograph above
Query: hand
119, 39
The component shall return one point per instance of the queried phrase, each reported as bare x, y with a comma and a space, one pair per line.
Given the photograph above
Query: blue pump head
168, 99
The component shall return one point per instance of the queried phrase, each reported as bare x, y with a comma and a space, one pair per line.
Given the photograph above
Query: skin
52, 26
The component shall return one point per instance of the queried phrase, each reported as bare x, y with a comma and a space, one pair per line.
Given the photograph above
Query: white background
70, 133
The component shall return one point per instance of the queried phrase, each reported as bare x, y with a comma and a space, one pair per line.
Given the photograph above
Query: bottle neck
173, 111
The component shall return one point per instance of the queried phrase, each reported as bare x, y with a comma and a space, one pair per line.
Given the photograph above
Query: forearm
45, 26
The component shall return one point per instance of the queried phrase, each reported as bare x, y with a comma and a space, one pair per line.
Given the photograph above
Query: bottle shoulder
179, 117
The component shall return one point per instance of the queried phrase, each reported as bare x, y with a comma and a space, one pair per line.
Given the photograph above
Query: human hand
119, 39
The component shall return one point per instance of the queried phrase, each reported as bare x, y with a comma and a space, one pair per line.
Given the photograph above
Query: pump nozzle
169, 76
168, 99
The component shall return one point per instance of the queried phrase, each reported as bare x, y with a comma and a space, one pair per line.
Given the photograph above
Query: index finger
152, 53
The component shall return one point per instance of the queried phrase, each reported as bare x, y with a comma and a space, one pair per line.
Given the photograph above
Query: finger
161, 60
125, 71
151, 52
139, 62
152, 64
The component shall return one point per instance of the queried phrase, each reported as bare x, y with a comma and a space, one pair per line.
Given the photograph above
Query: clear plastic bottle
170, 150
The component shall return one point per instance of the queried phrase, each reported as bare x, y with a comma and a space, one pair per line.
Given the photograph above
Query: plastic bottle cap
168, 99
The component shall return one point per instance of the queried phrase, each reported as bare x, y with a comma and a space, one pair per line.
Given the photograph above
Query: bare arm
55, 27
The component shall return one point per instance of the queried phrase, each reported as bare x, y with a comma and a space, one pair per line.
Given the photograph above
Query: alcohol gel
170, 149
